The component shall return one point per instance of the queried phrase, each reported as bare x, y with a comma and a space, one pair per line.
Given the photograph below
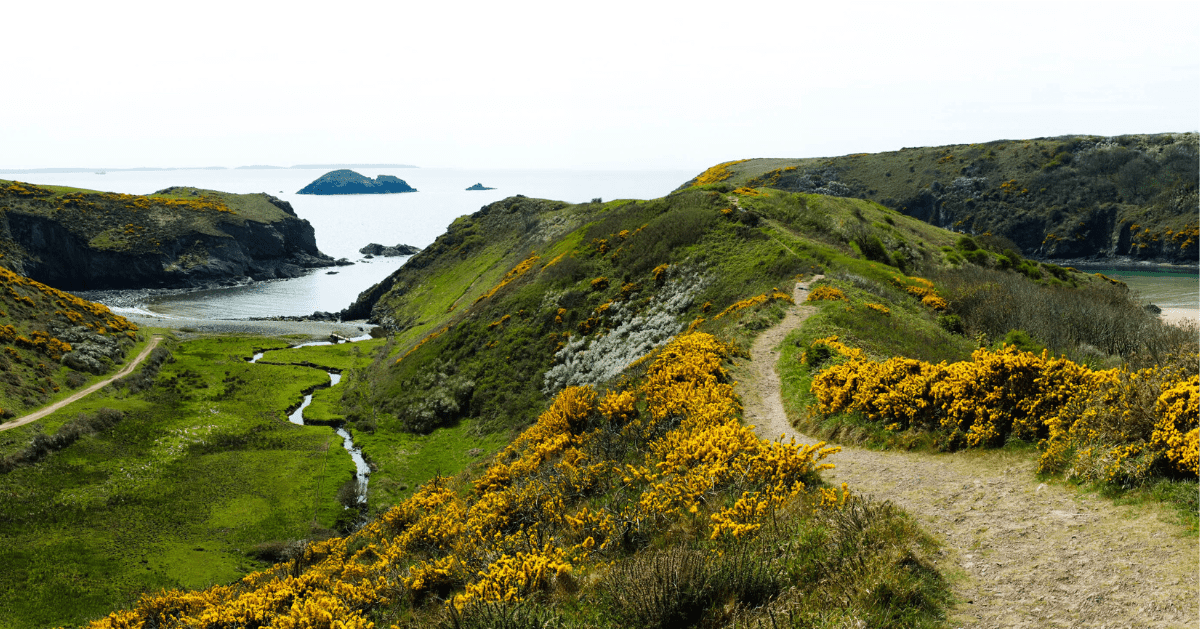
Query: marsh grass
201, 471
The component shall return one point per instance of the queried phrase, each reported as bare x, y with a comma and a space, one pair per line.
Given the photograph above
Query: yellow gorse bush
717, 173
1113, 425
825, 292
765, 298
670, 448
513, 274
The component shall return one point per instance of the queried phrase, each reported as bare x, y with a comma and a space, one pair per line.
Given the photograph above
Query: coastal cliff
1074, 199
179, 237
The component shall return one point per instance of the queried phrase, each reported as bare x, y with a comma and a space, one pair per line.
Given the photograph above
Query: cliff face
1070, 197
178, 237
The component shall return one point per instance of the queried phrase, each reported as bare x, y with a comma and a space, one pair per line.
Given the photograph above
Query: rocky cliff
179, 237
1105, 199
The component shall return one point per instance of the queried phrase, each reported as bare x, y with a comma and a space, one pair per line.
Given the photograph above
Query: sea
345, 223
1177, 294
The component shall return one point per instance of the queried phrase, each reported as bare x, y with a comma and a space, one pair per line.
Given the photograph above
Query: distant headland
348, 182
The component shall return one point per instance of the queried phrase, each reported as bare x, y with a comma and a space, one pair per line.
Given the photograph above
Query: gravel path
1021, 553
45, 411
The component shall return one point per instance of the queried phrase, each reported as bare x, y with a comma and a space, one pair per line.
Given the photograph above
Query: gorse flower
1111, 425
566, 496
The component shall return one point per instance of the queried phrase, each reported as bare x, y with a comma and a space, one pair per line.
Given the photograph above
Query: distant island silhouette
348, 182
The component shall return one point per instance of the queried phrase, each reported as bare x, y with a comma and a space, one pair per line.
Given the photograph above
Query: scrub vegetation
554, 437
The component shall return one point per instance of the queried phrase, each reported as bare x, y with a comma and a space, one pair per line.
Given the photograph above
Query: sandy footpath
1021, 553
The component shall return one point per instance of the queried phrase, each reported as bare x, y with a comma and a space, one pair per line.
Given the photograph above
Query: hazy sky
620, 85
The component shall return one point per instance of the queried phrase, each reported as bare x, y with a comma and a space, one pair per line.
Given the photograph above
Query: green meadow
201, 481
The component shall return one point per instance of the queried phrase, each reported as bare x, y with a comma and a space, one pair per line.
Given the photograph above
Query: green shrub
816, 355
1022, 341
951, 323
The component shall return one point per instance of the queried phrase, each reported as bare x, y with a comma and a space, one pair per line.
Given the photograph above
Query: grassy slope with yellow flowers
32, 316
636, 497
648, 504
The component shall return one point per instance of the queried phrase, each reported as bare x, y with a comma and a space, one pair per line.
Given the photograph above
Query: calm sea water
1166, 290
345, 223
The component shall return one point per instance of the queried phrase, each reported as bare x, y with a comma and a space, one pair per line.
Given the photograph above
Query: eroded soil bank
1020, 553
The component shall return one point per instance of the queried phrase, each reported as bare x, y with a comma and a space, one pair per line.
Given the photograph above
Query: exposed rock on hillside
1070, 197
348, 182
178, 237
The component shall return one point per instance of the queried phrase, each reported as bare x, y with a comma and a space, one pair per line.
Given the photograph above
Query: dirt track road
45, 411
1025, 554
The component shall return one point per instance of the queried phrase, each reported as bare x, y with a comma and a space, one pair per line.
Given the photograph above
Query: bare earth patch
1020, 553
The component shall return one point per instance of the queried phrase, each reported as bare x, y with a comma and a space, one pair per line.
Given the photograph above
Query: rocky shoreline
1124, 263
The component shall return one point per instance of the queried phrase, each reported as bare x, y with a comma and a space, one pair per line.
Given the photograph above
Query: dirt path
45, 411
1028, 554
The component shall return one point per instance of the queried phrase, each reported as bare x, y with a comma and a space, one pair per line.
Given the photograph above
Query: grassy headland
85, 239
1064, 197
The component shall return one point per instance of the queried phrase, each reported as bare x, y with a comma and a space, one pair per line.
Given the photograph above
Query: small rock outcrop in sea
375, 249
348, 182
480, 187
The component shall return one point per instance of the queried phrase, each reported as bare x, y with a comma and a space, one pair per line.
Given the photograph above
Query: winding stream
361, 467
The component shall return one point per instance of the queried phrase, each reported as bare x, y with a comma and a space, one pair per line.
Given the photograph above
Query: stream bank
296, 416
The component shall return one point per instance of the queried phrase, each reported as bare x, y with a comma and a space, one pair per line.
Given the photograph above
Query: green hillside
555, 436
1065, 197
53, 342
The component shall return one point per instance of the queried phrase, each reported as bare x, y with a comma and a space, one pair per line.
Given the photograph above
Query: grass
1180, 497
404, 461
202, 470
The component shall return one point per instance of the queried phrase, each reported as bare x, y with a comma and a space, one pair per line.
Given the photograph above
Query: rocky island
179, 237
348, 182
375, 249
480, 187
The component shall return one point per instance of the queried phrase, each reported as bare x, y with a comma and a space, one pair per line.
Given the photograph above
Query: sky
614, 85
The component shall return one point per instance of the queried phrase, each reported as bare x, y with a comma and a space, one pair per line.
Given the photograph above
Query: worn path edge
45, 411
1020, 553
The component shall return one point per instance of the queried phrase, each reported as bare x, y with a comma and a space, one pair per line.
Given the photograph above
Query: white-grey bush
591, 360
